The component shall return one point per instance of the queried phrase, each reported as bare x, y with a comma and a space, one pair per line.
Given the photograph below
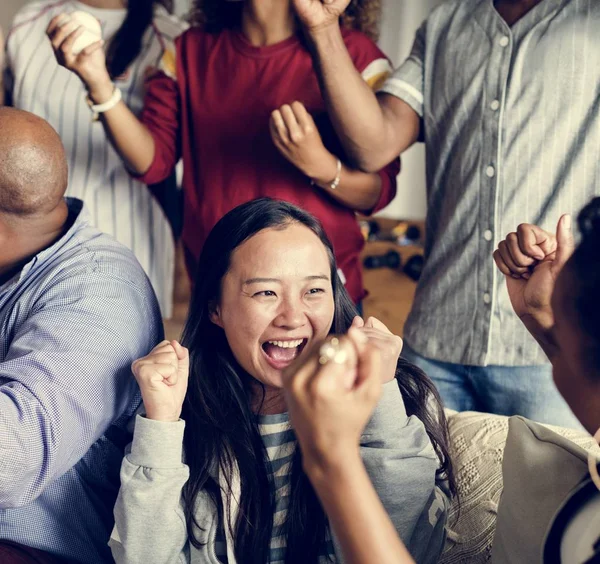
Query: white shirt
118, 204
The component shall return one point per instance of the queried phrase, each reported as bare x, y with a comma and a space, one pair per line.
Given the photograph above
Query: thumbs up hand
531, 259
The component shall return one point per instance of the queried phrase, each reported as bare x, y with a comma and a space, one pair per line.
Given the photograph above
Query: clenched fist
89, 64
163, 376
331, 398
319, 14
295, 134
388, 344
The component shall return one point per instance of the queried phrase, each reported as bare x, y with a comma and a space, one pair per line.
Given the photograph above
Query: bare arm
358, 518
330, 403
357, 190
373, 129
130, 138
128, 135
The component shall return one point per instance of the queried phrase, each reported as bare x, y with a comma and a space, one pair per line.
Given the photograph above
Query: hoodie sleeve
402, 465
149, 519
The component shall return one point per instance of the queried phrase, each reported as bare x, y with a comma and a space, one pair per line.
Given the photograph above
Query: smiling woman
271, 307
267, 292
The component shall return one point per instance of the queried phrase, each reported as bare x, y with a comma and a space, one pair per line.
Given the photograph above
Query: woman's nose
291, 314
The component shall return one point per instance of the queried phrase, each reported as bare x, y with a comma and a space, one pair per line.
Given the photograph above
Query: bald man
75, 310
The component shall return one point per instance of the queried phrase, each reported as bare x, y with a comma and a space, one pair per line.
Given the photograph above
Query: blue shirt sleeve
67, 377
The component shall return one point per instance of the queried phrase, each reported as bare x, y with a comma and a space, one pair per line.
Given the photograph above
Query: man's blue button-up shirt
71, 322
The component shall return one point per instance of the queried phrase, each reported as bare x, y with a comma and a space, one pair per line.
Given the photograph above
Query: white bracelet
98, 109
338, 176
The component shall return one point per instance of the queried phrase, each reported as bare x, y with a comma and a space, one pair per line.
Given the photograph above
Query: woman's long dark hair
221, 428
126, 44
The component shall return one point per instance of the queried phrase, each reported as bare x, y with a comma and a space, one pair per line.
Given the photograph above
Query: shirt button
487, 235
504, 41
487, 299
495, 105
490, 171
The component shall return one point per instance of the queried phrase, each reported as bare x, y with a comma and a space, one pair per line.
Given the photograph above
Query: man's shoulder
92, 286
86, 251
90, 278
449, 10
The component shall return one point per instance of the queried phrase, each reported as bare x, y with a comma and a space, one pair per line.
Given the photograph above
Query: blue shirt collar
77, 217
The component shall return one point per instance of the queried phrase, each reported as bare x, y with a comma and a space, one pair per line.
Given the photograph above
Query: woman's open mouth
280, 354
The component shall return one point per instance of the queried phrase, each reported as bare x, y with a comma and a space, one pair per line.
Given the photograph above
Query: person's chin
269, 375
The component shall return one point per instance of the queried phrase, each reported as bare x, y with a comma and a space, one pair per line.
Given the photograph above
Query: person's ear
214, 314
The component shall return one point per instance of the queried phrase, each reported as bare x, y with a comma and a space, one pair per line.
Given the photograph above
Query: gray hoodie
150, 524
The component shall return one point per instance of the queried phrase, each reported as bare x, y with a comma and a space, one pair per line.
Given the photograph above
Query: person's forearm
128, 135
541, 330
359, 521
357, 190
360, 122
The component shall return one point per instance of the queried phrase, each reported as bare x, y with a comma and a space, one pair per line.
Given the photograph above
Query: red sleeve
388, 185
161, 115
363, 51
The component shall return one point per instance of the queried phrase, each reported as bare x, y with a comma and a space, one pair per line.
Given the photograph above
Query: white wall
401, 18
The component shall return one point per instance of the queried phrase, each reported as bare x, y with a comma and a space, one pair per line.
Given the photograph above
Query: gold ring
332, 351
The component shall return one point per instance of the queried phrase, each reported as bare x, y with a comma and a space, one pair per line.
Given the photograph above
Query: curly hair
216, 15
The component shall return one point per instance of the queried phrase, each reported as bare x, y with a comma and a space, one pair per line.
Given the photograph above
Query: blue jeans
506, 390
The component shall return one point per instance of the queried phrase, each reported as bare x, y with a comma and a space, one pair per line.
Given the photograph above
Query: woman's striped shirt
280, 443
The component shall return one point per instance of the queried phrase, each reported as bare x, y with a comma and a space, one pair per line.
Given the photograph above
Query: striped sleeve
31, 12
167, 29
406, 82
161, 111
370, 61
377, 72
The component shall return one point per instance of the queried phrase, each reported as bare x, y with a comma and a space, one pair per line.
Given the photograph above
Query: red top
215, 114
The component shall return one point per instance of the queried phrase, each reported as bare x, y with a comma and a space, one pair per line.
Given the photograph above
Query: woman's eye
266, 293
314, 291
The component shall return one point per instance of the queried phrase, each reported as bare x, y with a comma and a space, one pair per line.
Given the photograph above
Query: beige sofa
477, 445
